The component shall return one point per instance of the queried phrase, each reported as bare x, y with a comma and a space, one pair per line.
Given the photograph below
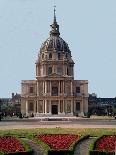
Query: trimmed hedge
17, 153
95, 152
60, 152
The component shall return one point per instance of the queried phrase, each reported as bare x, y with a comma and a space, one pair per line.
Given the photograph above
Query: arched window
66, 55
59, 56
67, 71
50, 56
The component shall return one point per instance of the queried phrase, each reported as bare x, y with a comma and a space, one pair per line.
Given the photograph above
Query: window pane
77, 89
54, 91
59, 70
30, 106
78, 106
49, 70
31, 90
50, 56
59, 56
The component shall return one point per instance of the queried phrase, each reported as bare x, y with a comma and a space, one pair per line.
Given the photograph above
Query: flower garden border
69, 151
92, 150
28, 149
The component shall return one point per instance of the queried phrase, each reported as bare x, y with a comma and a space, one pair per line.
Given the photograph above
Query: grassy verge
29, 133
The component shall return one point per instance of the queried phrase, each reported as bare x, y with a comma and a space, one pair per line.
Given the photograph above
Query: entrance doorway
54, 109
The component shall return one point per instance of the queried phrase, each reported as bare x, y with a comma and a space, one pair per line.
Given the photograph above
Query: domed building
54, 92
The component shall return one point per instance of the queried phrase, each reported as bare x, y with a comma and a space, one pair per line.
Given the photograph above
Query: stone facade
54, 92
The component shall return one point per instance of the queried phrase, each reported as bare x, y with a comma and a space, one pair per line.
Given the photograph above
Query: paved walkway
83, 147
79, 126
36, 148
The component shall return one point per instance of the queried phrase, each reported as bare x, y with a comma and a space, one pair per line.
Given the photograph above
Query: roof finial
54, 26
54, 13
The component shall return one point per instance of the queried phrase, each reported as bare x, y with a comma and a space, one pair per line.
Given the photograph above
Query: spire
54, 26
54, 14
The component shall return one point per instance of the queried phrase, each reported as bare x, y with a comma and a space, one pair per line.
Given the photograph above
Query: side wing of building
80, 89
28, 96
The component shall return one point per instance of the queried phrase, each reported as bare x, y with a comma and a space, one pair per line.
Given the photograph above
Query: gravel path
83, 147
37, 150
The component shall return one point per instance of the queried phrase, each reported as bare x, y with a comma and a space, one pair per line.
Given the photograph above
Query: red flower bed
106, 143
10, 144
58, 141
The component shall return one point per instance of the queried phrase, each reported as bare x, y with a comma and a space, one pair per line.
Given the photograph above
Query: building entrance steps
57, 118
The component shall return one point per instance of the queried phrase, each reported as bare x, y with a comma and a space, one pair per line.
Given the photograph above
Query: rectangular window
49, 70
77, 89
59, 70
77, 106
31, 90
31, 106
54, 91
59, 56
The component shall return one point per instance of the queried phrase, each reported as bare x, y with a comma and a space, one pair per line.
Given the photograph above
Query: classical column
82, 113
49, 106
26, 108
63, 106
36, 70
59, 107
71, 106
45, 106
45, 70
34, 106
43, 87
37, 88
63, 87
50, 88
63, 70
58, 88
37, 106
71, 88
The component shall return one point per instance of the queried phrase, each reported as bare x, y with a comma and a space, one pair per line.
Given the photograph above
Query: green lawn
30, 132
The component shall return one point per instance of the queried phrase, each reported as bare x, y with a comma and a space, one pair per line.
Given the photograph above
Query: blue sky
88, 26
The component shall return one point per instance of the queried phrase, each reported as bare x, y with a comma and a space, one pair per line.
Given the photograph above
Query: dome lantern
54, 26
